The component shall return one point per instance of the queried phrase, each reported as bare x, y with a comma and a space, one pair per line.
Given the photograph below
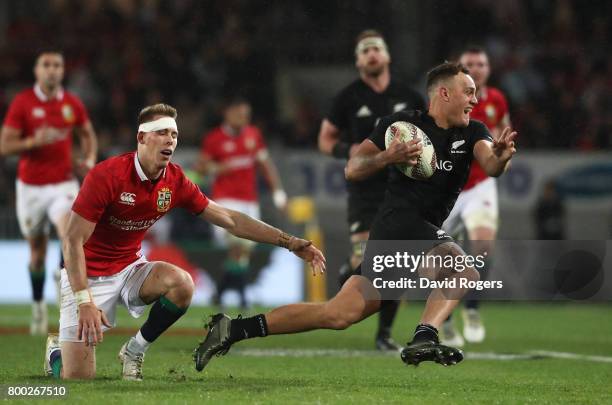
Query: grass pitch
341, 367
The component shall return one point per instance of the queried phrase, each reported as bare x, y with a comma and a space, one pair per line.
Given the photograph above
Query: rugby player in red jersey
120, 199
39, 126
476, 211
232, 153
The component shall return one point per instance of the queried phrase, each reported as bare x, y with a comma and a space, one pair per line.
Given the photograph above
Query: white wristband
279, 197
82, 297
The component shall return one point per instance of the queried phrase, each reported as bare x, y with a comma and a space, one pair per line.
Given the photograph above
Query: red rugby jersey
124, 204
31, 109
239, 152
491, 109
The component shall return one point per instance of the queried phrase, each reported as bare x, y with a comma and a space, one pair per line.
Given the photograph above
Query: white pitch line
530, 355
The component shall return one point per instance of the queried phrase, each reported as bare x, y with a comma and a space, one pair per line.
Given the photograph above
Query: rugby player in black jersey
353, 115
412, 210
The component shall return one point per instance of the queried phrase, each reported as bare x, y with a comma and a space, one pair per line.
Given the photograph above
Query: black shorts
393, 224
361, 214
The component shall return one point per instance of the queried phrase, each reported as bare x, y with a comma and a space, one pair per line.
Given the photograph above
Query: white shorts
107, 292
476, 207
37, 205
224, 238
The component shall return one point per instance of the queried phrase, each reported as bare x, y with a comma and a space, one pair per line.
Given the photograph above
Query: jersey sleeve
95, 195
378, 134
191, 198
15, 117
479, 132
337, 114
81, 112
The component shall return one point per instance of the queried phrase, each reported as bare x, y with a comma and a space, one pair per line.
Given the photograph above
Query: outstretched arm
495, 157
243, 226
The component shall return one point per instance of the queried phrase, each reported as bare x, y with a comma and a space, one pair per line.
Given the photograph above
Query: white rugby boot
132, 363
473, 329
52, 345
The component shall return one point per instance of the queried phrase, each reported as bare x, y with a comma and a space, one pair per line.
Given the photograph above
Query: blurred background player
39, 126
232, 153
476, 211
353, 116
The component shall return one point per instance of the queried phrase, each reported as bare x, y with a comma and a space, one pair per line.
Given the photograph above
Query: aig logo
127, 198
445, 165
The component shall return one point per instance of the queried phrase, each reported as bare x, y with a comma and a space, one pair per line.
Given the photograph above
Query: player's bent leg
170, 289
78, 361
357, 300
38, 251
425, 344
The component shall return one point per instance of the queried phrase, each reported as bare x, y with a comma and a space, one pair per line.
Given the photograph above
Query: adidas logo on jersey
127, 198
364, 111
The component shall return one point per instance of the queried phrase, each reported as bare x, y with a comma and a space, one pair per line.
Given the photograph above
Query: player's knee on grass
78, 361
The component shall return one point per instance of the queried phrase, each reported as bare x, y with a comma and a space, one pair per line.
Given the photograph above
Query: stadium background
551, 58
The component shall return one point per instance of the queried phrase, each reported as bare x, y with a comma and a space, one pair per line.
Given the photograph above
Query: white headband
368, 42
158, 124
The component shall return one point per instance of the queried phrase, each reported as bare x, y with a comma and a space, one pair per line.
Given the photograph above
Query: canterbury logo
127, 198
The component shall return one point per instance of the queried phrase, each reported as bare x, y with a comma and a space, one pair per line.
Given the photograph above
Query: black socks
246, 328
425, 333
162, 315
386, 315
37, 278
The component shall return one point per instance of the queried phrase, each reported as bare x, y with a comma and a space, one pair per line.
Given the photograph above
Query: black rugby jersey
355, 112
433, 198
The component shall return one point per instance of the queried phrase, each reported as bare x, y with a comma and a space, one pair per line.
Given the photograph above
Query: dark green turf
367, 378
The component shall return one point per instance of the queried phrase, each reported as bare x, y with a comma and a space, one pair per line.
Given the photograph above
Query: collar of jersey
43, 97
141, 174
230, 131
431, 119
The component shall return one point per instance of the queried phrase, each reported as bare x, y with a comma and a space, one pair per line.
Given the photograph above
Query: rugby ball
426, 162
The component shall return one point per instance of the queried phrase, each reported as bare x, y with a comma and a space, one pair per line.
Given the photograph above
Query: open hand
90, 323
305, 250
503, 147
